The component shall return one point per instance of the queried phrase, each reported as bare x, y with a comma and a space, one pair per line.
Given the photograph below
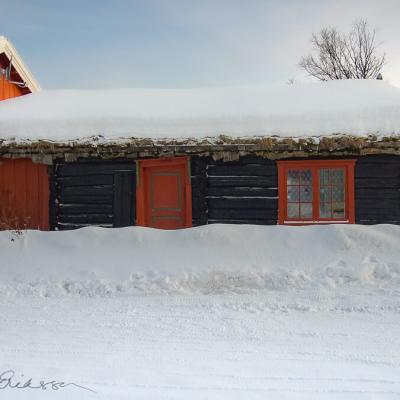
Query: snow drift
355, 107
210, 259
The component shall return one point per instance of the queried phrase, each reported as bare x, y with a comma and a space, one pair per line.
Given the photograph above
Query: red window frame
315, 166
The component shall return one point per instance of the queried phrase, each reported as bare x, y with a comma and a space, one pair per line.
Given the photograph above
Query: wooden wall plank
376, 183
235, 181
242, 203
86, 218
244, 191
249, 170
87, 191
86, 180
64, 226
222, 214
68, 209
244, 221
79, 199
94, 168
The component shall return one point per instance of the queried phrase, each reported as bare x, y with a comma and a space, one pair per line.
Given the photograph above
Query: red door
164, 194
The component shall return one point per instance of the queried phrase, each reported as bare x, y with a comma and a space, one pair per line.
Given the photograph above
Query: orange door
163, 193
24, 195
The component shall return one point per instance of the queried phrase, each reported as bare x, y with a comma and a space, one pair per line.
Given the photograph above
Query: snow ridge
213, 259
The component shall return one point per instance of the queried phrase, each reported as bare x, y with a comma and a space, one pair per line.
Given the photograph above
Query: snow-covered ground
355, 107
217, 312
279, 346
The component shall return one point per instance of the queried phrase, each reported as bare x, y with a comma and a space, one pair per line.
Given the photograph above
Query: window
316, 191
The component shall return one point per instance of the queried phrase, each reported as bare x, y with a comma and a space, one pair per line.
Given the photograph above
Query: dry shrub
9, 219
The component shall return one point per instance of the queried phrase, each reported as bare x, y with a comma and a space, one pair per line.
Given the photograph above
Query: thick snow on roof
355, 107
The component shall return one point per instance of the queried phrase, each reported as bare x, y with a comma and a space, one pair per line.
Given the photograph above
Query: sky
92, 44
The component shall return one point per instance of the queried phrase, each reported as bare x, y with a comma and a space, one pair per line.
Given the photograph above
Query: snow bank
358, 107
210, 259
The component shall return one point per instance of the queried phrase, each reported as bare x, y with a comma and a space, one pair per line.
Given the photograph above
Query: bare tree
344, 56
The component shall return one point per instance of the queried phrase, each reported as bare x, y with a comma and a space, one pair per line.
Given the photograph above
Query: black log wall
377, 190
93, 193
241, 192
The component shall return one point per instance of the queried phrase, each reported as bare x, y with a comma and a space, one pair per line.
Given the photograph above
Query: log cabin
324, 153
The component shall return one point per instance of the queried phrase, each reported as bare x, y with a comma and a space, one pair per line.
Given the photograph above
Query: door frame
141, 165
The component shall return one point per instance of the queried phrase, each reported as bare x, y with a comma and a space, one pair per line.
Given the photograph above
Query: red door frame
141, 165
315, 165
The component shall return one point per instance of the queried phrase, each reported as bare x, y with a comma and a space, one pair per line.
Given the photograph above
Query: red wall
24, 195
9, 90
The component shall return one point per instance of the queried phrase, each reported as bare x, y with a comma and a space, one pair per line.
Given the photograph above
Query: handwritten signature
8, 380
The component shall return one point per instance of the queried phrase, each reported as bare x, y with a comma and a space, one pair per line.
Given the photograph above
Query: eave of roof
26, 75
223, 147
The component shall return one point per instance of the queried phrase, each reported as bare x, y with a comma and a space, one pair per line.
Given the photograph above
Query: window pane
293, 193
324, 176
293, 177
325, 210
306, 210
338, 210
337, 176
305, 177
331, 192
325, 194
337, 193
306, 193
293, 210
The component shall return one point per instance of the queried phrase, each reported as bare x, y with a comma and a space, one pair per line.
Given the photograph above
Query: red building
24, 186
15, 77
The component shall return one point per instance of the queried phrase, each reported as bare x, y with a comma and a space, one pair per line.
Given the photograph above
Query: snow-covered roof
351, 107
23, 71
